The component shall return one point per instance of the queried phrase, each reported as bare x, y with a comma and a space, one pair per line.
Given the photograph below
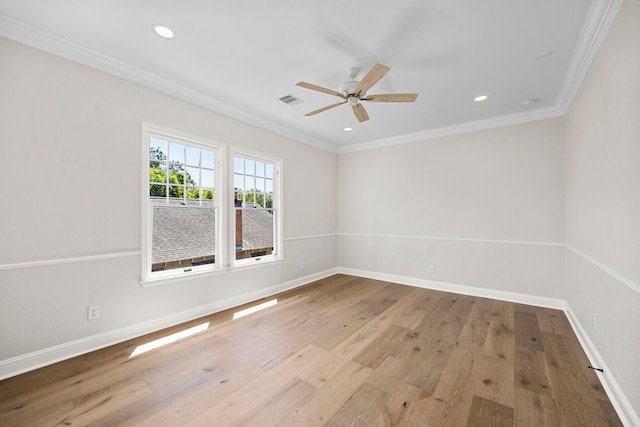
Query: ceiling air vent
291, 100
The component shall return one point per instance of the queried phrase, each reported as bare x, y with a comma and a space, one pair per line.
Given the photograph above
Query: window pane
254, 232
157, 191
192, 176
176, 192
238, 182
259, 169
176, 174
157, 172
193, 193
238, 165
250, 167
260, 185
182, 237
193, 156
249, 183
207, 178
207, 194
157, 149
269, 168
176, 152
269, 186
207, 159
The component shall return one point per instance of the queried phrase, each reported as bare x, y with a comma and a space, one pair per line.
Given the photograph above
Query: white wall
603, 202
70, 202
484, 208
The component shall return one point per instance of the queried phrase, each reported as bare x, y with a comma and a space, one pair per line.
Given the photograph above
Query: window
193, 220
182, 210
256, 211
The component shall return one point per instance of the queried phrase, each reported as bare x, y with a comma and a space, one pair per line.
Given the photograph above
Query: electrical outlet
93, 312
593, 320
302, 265
431, 269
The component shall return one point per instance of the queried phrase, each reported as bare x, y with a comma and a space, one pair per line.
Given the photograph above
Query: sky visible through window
254, 181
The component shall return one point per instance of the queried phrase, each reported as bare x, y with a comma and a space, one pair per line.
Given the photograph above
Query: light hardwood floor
339, 352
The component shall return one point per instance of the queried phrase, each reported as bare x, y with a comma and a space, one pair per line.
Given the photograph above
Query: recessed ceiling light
481, 98
530, 102
163, 31
348, 129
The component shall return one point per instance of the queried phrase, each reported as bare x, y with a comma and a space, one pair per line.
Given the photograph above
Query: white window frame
220, 204
277, 204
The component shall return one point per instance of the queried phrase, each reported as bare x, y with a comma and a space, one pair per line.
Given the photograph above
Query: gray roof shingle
184, 232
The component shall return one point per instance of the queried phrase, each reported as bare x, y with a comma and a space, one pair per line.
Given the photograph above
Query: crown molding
506, 120
598, 21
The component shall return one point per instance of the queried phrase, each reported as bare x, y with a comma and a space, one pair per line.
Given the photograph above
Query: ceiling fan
353, 92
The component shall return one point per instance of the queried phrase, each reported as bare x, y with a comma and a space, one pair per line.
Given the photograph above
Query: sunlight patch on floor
245, 312
169, 339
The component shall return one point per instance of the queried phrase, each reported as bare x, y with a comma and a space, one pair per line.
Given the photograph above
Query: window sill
203, 274
248, 265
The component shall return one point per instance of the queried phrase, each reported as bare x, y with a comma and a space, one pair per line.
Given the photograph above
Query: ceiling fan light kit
353, 92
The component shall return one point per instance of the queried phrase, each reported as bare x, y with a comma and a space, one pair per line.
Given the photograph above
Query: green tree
156, 154
157, 175
207, 194
177, 178
258, 197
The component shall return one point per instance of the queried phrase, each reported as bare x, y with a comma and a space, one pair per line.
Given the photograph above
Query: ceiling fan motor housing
349, 88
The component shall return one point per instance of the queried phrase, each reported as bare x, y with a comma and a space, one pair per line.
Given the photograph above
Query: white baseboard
37, 359
619, 401
459, 289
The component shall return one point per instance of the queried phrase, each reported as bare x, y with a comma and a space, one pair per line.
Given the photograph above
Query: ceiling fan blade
372, 77
319, 89
328, 107
360, 113
391, 97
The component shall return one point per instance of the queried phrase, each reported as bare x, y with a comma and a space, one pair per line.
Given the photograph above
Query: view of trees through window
253, 180
189, 227
179, 173
255, 214
181, 194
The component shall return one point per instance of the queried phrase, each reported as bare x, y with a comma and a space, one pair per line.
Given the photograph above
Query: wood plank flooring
343, 351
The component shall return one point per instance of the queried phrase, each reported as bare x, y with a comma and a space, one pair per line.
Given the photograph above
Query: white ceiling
238, 57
